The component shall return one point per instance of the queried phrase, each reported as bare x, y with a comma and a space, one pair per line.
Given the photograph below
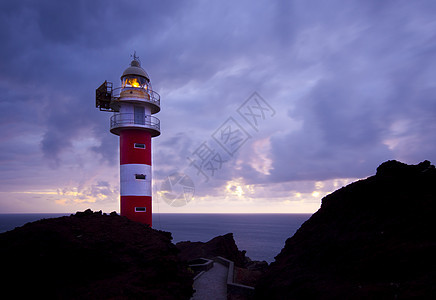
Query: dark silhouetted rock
91, 255
371, 239
398, 169
223, 245
257, 265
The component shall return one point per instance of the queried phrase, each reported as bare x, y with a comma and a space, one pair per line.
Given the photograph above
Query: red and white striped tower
133, 105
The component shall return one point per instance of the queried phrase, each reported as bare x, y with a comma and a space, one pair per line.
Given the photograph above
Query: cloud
352, 85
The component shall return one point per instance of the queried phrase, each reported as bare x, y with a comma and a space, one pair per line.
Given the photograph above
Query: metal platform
120, 121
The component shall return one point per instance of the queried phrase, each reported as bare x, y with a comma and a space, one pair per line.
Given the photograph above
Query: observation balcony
120, 121
137, 95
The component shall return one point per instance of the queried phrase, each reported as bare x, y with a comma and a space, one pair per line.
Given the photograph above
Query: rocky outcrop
92, 256
371, 239
222, 245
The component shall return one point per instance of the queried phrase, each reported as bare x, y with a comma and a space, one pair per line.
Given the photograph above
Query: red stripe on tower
133, 105
135, 147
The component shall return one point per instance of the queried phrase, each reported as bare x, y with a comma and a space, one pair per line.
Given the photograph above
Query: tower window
140, 146
140, 209
140, 176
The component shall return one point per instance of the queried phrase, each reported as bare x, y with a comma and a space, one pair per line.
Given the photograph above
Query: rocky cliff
222, 245
92, 256
371, 239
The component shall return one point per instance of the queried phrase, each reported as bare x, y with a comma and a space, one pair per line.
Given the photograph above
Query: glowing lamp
134, 81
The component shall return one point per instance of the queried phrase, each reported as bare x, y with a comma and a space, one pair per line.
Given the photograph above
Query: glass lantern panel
134, 81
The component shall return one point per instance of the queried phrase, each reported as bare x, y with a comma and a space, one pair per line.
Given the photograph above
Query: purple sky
345, 85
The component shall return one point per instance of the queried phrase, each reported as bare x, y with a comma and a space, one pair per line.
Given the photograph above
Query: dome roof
136, 70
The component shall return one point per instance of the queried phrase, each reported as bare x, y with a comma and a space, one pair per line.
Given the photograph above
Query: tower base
137, 208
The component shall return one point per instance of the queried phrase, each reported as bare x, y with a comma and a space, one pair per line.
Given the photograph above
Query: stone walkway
212, 285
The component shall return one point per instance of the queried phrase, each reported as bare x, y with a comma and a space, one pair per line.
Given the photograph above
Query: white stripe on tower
135, 180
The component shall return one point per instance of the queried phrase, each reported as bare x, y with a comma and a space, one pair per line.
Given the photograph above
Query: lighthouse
133, 105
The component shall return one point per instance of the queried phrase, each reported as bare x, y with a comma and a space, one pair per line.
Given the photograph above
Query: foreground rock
222, 245
372, 239
92, 256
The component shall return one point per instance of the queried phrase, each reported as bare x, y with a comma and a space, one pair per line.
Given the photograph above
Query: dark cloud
171, 153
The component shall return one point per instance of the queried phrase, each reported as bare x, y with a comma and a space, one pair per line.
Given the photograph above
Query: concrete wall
234, 288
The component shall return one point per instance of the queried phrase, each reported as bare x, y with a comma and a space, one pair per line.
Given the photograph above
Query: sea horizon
262, 235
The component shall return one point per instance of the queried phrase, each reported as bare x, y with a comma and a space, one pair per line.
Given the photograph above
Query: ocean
261, 235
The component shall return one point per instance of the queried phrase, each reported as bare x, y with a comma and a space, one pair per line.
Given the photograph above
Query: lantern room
135, 76
135, 89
